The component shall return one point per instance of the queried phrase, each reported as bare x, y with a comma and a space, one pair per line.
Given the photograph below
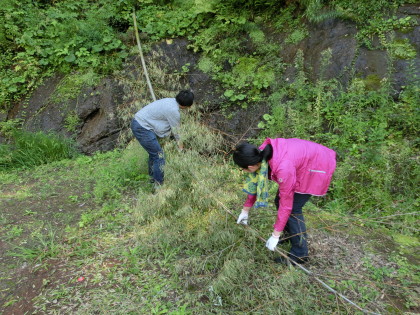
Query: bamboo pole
149, 84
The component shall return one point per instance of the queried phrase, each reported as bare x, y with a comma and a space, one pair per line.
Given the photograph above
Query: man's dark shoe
156, 188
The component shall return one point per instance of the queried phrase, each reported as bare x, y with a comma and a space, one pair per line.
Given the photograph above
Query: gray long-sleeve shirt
161, 116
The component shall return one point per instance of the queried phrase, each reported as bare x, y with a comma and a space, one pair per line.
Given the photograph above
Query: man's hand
272, 242
243, 218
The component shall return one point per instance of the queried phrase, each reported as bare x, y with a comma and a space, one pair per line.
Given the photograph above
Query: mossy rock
372, 82
402, 49
407, 243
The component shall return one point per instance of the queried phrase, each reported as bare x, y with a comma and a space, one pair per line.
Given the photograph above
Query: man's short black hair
185, 98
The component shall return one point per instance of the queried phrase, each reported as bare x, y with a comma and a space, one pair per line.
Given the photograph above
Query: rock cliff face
99, 123
347, 57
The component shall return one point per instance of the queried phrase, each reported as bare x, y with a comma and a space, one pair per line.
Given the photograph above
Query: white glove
243, 218
272, 242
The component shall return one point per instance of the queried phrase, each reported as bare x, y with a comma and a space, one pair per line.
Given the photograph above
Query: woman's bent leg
297, 229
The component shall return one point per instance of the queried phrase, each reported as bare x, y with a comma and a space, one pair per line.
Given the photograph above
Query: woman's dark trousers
296, 228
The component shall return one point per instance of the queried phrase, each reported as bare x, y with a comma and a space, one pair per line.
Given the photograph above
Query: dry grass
220, 262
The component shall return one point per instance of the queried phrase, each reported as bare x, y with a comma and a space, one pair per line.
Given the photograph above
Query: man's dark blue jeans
149, 141
296, 227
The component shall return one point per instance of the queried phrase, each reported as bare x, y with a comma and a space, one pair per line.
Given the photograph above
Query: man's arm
173, 119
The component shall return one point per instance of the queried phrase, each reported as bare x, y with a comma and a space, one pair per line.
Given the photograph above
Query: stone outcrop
98, 108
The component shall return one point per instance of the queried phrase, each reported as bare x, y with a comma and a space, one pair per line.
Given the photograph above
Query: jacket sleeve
250, 200
286, 178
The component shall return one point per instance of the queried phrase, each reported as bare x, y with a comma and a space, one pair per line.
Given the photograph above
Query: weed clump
28, 149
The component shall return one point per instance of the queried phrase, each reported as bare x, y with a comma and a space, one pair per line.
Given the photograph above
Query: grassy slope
179, 251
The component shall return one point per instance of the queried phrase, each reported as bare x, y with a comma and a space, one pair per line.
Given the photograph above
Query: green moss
207, 65
402, 49
249, 72
406, 241
71, 85
372, 82
257, 36
297, 36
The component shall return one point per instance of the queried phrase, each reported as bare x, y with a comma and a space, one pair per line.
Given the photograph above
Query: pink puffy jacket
298, 166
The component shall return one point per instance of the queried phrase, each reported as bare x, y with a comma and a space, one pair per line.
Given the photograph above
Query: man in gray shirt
159, 119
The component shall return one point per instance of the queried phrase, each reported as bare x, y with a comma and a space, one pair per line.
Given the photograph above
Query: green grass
28, 149
179, 251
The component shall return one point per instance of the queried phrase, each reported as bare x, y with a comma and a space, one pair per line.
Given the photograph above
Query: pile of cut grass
221, 266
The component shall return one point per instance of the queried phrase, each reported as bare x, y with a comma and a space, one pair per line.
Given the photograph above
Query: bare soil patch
36, 207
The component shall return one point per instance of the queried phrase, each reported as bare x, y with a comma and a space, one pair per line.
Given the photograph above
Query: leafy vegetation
31, 149
37, 39
377, 151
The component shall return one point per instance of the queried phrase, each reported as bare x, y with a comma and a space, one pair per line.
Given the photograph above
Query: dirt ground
32, 209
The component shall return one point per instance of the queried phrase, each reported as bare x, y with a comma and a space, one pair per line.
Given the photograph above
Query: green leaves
62, 36
402, 49
269, 121
230, 94
384, 29
70, 58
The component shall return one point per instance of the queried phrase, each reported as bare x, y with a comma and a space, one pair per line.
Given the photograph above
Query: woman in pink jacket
301, 168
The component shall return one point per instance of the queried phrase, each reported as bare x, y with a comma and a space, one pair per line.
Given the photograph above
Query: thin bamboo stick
149, 84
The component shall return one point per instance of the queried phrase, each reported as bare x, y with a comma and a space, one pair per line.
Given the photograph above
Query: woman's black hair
185, 98
247, 154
